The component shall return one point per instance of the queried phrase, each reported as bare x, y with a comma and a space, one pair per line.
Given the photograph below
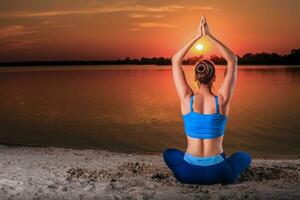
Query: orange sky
99, 29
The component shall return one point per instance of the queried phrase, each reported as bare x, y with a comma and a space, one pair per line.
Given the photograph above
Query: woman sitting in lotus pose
205, 116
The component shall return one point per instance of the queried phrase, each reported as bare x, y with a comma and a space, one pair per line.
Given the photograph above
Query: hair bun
204, 71
201, 68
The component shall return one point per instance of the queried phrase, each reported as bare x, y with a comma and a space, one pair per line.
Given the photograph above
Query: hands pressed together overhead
203, 27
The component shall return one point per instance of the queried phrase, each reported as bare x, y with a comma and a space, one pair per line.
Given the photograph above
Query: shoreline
263, 157
66, 173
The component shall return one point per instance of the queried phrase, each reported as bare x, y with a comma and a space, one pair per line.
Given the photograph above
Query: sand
64, 173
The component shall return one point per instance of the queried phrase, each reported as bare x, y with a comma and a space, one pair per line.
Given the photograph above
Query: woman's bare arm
182, 87
227, 88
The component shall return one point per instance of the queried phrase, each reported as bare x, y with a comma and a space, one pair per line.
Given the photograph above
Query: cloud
119, 7
201, 8
134, 29
207, 8
15, 30
18, 44
48, 22
153, 24
137, 15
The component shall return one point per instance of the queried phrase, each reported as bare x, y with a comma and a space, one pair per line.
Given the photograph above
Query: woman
205, 117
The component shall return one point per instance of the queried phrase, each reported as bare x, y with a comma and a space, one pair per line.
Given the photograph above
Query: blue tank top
204, 126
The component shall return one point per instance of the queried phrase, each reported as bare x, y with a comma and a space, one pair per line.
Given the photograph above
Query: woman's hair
205, 72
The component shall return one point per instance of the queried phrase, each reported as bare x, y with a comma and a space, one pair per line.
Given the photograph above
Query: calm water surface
136, 109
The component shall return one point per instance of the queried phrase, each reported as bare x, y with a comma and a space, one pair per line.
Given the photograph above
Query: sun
199, 47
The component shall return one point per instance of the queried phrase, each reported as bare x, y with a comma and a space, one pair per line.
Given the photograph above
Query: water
136, 108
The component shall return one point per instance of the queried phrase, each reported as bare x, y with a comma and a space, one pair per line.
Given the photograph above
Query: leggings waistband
203, 161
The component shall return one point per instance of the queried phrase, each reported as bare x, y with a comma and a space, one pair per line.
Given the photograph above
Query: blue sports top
204, 126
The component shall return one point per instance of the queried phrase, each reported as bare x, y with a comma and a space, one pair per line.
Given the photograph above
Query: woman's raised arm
227, 87
182, 87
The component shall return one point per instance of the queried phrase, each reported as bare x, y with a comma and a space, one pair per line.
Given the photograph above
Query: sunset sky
100, 29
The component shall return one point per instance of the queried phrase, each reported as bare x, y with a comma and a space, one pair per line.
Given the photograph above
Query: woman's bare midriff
204, 147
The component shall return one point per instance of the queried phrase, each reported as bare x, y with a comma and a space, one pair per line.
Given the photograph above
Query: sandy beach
65, 173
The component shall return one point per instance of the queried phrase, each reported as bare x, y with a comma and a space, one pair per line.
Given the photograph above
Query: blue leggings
224, 172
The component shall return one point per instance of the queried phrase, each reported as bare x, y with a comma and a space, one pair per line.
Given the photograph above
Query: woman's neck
204, 89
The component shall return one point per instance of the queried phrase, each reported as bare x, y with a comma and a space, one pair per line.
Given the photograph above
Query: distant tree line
293, 58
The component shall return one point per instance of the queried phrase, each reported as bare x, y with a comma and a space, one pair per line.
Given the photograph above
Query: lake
132, 108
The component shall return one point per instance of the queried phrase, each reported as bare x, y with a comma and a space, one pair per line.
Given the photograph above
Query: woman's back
204, 104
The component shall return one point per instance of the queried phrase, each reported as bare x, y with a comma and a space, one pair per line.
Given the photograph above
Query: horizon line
133, 58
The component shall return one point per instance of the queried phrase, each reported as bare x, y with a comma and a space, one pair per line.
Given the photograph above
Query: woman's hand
205, 29
200, 29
